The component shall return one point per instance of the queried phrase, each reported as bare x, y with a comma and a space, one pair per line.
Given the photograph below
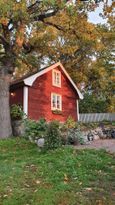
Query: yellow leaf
4, 21
65, 177
37, 182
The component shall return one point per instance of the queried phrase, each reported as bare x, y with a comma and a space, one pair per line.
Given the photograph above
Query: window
57, 78
56, 102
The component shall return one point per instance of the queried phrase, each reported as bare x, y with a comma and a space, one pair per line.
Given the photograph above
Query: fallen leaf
32, 165
88, 189
65, 177
27, 185
5, 195
38, 182
35, 190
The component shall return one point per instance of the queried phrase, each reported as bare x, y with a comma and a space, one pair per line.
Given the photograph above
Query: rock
99, 132
96, 137
88, 143
85, 139
18, 128
113, 134
90, 136
41, 142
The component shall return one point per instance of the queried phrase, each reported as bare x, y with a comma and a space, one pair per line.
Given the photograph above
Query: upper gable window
57, 78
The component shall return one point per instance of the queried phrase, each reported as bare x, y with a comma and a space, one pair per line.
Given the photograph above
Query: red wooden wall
39, 102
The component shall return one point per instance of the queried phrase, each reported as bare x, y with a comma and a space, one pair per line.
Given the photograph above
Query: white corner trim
77, 102
25, 100
30, 80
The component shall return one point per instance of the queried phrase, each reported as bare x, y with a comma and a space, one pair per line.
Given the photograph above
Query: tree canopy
41, 32
37, 32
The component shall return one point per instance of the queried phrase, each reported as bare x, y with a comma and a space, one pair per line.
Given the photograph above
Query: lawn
60, 177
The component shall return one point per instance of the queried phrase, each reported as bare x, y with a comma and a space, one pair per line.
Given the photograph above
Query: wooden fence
96, 117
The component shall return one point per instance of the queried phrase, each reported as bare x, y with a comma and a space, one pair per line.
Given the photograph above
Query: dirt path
108, 145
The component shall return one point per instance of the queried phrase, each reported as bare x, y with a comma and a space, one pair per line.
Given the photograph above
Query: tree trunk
5, 121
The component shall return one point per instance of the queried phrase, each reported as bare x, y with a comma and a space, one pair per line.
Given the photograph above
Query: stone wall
99, 133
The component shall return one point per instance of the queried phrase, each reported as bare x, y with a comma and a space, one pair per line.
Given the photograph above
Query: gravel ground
108, 145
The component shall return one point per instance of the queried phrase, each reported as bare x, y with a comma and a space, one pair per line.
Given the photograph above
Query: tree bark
5, 121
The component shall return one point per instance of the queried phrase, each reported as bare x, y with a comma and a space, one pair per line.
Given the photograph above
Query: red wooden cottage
50, 93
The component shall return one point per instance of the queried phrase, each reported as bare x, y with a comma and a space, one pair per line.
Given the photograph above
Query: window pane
58, 79
54, 101
58, 102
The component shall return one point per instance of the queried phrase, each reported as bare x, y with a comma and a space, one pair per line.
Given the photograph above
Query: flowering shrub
16, 112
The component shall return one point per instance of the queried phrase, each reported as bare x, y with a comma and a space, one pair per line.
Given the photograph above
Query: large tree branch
4, 41
34, 5
58, 27
45, 15
28, 48
34, 9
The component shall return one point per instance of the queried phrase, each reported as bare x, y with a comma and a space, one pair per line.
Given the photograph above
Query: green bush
74, 136
35, 129
53, 135
16, 112
69, 130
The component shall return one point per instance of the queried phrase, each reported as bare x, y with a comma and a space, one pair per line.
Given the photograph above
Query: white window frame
56, 108
53, 78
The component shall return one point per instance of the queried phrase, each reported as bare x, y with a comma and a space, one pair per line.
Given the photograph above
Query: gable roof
29, 80
21, 79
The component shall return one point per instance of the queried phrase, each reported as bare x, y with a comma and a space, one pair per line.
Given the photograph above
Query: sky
94, 15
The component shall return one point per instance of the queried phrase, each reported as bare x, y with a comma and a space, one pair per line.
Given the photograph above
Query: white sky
94, 15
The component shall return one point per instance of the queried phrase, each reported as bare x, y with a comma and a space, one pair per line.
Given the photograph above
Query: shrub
53, 135
16, 112
74, 136
70, 123
69, 130
35, 130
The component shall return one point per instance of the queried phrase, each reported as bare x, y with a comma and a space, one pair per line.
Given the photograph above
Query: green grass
60, 177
